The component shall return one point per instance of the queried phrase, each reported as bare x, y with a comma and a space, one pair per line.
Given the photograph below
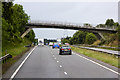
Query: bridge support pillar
99, 35
26, 32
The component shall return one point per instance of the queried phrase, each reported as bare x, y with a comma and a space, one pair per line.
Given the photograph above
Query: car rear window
65, 47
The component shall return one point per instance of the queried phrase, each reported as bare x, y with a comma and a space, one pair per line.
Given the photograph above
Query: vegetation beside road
87, 38
16, 52
107, 58
14, 20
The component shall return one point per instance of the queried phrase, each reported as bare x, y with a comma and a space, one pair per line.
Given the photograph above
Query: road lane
45, 62
40, 64
77, 67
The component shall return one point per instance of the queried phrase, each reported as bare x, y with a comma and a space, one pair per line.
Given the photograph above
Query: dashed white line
98, 64
21, 64
65, 73
60, 66
57, 61
54, 58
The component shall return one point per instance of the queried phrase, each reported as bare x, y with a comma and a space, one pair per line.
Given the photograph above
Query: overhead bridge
40, 24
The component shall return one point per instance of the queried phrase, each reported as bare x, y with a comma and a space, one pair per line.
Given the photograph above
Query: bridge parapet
67, 25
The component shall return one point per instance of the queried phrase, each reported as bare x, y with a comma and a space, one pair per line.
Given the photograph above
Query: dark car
65, 50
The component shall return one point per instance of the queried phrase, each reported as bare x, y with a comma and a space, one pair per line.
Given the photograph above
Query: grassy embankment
107, 58
16, 51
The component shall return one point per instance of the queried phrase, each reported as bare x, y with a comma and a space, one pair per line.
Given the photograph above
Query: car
65, 50
41, 44
55, 45
51, 44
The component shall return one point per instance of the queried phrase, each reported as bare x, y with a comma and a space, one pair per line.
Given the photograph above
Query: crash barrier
118, 48
117, 53
4, 58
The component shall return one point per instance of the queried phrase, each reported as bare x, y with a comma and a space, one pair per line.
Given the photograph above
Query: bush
90, 38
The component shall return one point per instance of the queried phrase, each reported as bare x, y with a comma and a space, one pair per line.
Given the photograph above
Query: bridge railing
70, 24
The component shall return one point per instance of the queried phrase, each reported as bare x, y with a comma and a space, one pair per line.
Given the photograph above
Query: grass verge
16, 51
107, 58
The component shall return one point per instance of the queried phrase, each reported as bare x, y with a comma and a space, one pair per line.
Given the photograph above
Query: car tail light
62, 49
69, 49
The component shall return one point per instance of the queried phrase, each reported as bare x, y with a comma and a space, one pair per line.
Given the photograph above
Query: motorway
45, 62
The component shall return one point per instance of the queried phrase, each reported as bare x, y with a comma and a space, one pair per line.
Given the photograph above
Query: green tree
31, 35
87, 25
90, 38
79, 37
66, 40
101, 26
109, 22
14, 20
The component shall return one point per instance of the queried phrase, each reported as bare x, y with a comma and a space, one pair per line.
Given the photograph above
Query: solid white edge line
65, 73
98, 64
21, 64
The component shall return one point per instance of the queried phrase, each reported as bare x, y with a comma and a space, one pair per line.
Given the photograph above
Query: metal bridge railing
70, 24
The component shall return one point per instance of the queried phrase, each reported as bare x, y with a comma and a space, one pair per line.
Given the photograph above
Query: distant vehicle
51, 44
46, 43
55, 45
40, 44
65, 50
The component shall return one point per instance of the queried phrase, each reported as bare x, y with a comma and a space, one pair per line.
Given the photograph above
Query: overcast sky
80, 12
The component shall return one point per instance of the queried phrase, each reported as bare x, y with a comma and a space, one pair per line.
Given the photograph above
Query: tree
87, 25
90, 38
14, 20
66, 40
109, 22
116, 24
78, 37
101, 25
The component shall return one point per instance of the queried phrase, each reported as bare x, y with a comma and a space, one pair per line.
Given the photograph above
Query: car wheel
60, 53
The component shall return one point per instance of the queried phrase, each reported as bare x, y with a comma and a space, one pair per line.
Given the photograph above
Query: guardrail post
4, 58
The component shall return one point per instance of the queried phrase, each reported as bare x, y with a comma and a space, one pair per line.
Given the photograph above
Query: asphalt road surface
45, 62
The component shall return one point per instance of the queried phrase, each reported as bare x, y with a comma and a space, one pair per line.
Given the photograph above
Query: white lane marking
54, 58
65, 73
99, 64
21, 64
60, 66
57, 61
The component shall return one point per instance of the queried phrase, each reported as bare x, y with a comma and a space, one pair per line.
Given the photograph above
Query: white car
51, 44
40, 44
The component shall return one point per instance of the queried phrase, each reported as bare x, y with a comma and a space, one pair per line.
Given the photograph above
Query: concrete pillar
99, 35
26, 32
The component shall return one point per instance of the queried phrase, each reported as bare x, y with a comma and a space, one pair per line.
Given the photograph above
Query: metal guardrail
101, 50
100, 46
4, 58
